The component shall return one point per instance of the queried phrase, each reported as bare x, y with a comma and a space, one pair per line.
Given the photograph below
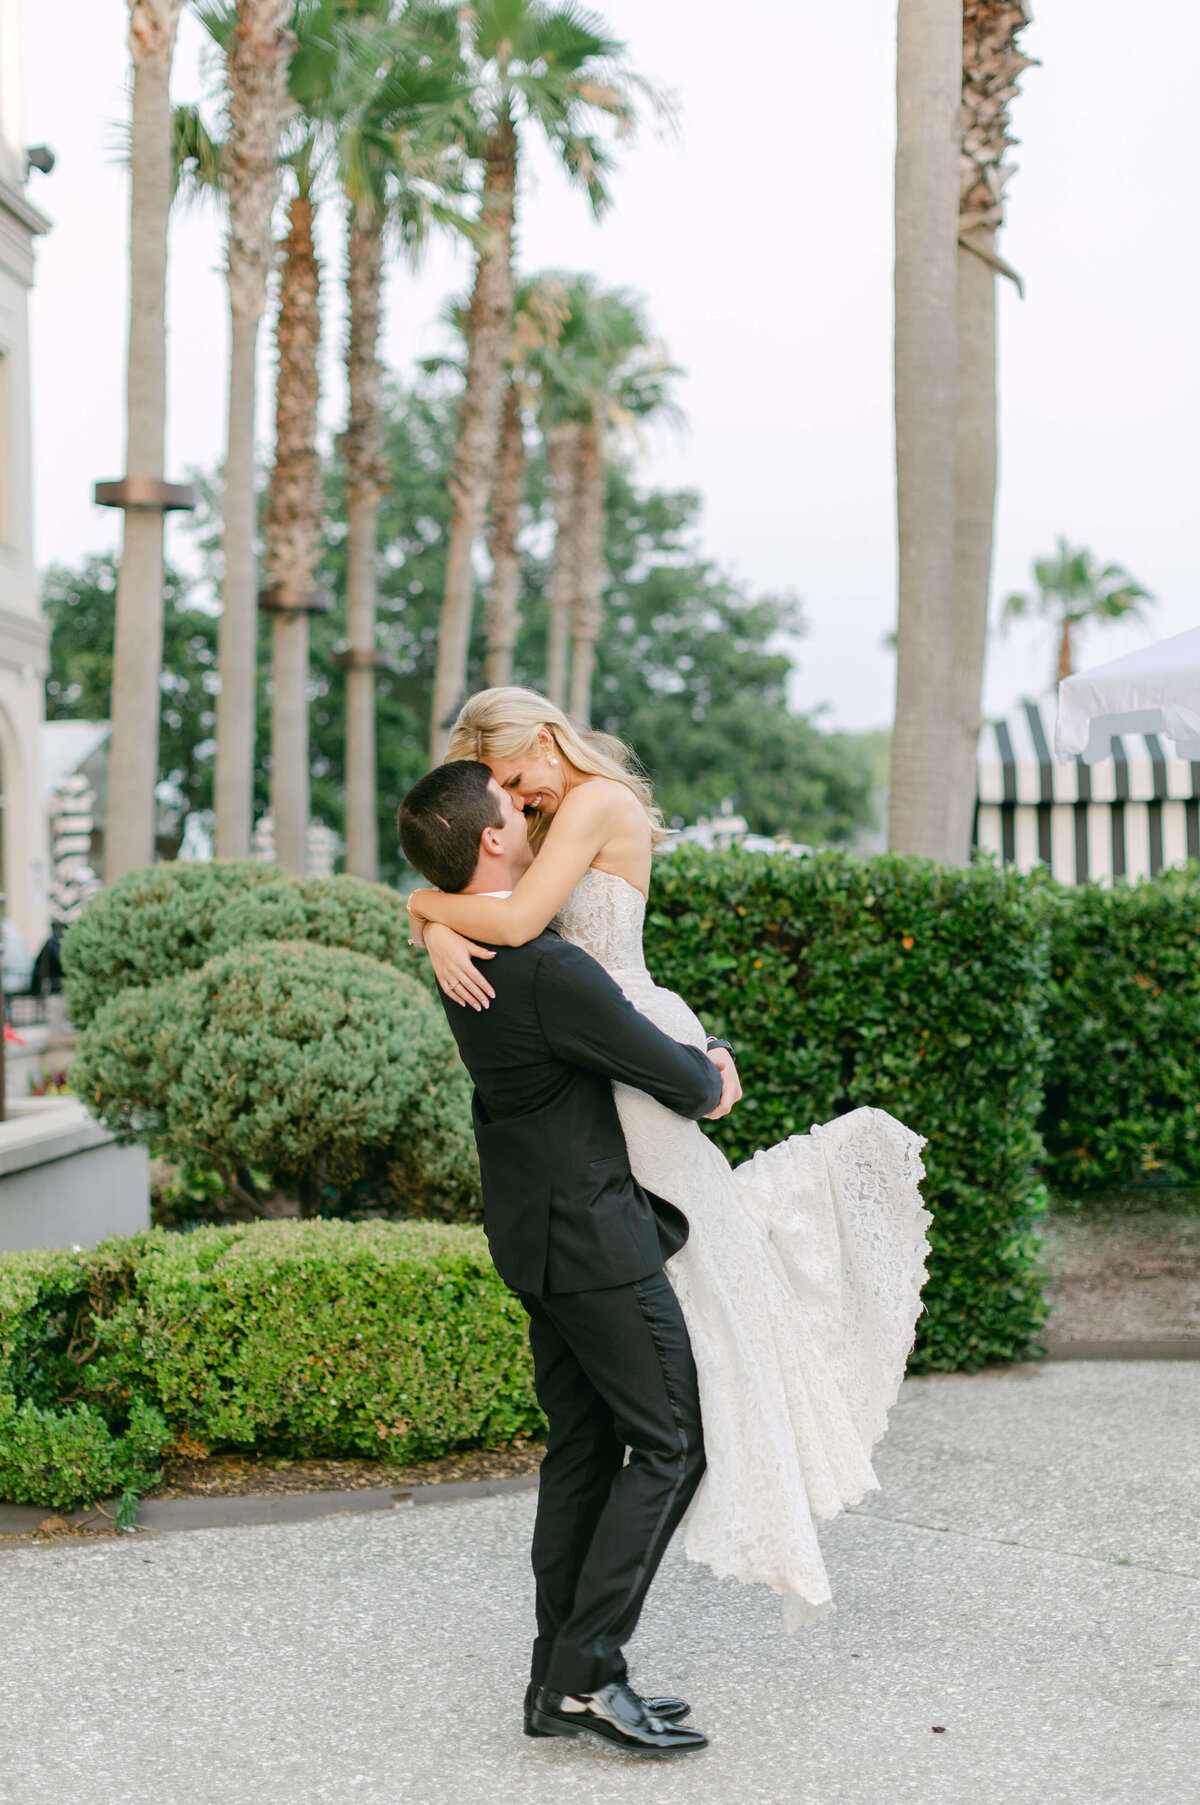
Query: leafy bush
393, 1340
1123, 1083
172, 917
324, 1068
899, 984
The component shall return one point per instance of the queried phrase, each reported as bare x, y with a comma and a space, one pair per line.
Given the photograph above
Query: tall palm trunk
928, 88
974, 518
1066, 661
366, 474
137, 651
260, 46
590, 483
502, 614
489, 327
991, 66
562, 462
293, 530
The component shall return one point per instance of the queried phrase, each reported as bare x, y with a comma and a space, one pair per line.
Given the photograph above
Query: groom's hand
731, 1086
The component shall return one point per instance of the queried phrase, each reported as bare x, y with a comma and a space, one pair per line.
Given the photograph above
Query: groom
583, 1246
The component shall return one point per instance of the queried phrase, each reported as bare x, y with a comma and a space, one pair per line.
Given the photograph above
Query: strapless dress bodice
605, 915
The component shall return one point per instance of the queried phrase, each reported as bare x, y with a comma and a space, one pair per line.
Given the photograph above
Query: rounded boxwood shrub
385, 1340
170, 918
325, 1069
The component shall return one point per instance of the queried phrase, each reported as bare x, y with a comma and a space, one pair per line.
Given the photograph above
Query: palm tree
632, 385
137, 655
530, 63
561, 437
292, 517
1072, 589
600, 375
541, 308
928, 96
258, 47
991, 67
399, 166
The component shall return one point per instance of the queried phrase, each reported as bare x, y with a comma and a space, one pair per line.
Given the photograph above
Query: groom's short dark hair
441, 821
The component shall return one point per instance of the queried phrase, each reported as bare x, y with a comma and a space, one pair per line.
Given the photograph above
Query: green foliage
898, 984
383, 1340
326, 1069
170, 918
1123, 1083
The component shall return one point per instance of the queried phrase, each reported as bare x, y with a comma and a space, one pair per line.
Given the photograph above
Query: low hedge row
1122, 1097
324, 1338
900, 984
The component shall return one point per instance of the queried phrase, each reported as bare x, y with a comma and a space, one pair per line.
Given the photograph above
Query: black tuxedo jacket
561, 1208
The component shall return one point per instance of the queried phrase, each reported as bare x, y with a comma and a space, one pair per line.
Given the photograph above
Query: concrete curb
265, 1507
1057, 1349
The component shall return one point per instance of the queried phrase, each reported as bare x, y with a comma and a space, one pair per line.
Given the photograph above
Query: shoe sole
553, 1726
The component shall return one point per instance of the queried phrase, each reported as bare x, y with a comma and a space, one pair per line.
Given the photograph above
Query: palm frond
197, 157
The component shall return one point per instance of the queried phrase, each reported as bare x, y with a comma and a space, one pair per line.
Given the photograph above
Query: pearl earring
553, 761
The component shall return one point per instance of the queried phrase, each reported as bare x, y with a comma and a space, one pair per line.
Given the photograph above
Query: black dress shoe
614, 1714
669, 1709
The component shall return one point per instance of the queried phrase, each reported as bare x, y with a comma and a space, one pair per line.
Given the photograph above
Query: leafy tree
80, 607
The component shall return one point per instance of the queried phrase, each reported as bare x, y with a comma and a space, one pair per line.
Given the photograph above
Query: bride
800, 1282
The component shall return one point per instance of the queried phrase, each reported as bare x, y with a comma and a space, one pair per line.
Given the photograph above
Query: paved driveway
1028, 1578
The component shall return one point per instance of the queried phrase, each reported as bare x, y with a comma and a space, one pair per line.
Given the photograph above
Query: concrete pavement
1028, 1579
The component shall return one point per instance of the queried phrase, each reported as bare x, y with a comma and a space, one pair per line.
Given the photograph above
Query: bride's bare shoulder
603, 798
603, 804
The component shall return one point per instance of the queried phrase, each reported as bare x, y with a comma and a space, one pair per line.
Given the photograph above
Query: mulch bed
236, 1475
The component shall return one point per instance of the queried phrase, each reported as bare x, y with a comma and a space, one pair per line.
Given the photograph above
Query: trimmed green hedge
173, 917
1123, 1082
393, 1340
895, 983
322, 1068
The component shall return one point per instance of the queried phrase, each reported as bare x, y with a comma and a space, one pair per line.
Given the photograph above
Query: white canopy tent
1155, 690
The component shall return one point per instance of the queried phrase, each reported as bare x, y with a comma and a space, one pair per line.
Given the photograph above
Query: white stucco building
23, 633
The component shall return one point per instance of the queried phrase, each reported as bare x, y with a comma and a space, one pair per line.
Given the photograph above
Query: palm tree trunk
366, 474
1066, 662
489, 327
292, 526
137, 650
974, 517
289, 737
502, 613
562, 460
590, 483
928, 88
991, 64
256, 70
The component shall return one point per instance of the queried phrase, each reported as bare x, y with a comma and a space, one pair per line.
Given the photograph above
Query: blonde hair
506, 723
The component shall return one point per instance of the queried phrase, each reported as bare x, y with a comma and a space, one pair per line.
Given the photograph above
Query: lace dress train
800, 1285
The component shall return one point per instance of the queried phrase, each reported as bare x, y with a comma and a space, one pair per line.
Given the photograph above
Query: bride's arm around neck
599, 822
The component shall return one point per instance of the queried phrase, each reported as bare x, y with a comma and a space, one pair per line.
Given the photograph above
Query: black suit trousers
614, 1372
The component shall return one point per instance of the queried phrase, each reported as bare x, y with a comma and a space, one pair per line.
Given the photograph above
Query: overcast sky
761, 238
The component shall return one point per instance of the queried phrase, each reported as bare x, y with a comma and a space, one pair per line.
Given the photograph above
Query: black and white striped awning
1130, 815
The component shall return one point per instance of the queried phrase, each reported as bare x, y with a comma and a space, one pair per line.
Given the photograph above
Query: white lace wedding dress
800, 1284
